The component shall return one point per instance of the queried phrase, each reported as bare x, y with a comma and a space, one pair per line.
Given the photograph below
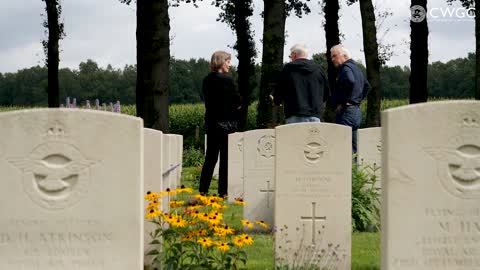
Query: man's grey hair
300, 50
342, 50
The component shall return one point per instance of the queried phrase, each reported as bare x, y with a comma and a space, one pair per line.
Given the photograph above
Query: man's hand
339, 108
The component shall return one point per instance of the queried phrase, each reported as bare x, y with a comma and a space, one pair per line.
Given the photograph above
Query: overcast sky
104, 31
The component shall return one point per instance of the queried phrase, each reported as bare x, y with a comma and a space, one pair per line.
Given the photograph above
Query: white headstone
259, 186
313, 194
71, 190
370, 151
431, 186
153, 178
179, 159
235, 166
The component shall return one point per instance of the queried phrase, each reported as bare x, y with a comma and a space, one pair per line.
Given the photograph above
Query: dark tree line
453, 79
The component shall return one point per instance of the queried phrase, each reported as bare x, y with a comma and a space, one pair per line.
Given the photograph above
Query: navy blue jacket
351, 85
303, 88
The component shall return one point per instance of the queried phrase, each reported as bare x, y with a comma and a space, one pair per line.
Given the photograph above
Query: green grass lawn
365, 246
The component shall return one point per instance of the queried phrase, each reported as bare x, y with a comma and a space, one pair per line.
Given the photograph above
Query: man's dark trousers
351, 116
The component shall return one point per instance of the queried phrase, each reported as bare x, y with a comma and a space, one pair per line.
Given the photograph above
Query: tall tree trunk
419, 55
53, 58
245, 47
272, 58
153, 58
477, 49
332, 37
370, 47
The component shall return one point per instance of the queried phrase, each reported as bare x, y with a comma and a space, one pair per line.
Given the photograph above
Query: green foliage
194, 238
365, 197
193, 157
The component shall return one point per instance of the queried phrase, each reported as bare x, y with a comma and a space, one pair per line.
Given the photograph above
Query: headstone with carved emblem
71, 190
370, 151
258, 171
313, 166
235, 166
153, 167
431, 188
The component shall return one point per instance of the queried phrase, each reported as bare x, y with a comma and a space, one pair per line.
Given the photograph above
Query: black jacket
303, 88
351, 85
222, 100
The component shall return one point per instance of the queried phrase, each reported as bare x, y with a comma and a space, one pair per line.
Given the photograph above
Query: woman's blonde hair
218, 59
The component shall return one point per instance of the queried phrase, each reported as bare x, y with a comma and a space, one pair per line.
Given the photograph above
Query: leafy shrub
365, 197
193, 157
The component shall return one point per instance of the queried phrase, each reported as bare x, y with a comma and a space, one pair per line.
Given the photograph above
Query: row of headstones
298, 178
72, 104
73, 199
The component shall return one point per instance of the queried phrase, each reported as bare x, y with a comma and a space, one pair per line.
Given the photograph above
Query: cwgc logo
418, 13
55, 174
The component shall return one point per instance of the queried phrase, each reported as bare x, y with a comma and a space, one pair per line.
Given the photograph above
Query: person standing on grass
351, 88
222, 104
302, 88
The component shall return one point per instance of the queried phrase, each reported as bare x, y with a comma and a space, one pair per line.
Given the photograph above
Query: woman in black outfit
222, 103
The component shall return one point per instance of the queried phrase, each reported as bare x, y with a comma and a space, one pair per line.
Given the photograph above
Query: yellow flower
175, 203
216, 215
262, 223
168, 192
151, 196
247, 223
205, 242
238, 241
152, 213
153, 205
184, 189
179, 223
239, 201
203, 216
213, 220
247, 240
187, 237
222, 246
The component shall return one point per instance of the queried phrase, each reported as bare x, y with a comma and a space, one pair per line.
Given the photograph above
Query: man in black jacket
302, 88
351, 88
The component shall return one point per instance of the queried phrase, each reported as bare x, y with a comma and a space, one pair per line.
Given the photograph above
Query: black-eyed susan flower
222, 246
238, 241
262, 223
247, 223
247, 240
168, 191
184, 189
205, 242
152, 213
151, 196
153, 205
176, 203
239, 201
179, 222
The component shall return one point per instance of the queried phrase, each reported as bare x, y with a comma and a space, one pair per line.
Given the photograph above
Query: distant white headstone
431, 186
258, 171
235, 166
71, 190
313, 195
153, 178
370, 151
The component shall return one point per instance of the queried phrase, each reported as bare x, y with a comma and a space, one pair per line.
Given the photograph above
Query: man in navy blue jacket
351, 88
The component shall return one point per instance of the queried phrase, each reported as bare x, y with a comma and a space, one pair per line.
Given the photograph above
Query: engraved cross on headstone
313, 219
267, 191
